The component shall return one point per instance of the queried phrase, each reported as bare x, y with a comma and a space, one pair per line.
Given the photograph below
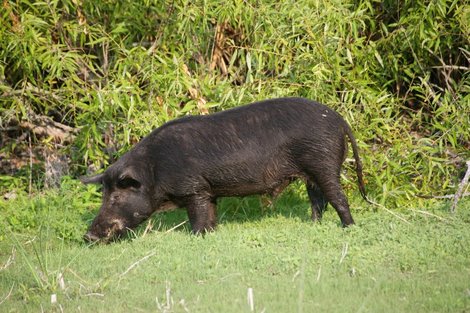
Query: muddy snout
104, 231
89, 237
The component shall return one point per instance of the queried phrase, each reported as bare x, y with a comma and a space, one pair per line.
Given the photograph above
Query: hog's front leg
201, 213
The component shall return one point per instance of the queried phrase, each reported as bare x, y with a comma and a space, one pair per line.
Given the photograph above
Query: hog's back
247, 150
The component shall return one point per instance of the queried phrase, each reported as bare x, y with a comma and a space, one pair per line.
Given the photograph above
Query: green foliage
396, 70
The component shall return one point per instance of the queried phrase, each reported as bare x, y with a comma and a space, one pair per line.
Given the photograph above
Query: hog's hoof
203, 231
316, 217
345, 225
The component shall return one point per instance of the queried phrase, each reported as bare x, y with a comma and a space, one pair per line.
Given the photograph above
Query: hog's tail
360, 179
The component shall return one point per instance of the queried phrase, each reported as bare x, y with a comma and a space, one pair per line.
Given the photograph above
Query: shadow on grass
239, 210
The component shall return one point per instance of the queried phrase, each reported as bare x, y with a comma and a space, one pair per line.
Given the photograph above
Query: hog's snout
104, 231
90, 237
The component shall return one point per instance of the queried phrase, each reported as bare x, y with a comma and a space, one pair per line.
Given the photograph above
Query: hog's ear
96, 179
128, 180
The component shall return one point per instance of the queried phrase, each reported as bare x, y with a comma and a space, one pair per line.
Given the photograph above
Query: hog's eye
128, 182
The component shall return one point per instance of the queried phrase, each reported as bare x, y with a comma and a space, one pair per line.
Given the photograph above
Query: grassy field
417, 261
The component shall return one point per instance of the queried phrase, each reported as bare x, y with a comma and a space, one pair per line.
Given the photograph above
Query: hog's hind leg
201, 213
332, 190
317, 201
335, 195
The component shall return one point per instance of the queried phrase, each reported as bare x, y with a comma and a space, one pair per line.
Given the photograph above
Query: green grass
382, 264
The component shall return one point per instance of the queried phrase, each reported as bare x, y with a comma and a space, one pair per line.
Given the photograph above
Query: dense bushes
111, 71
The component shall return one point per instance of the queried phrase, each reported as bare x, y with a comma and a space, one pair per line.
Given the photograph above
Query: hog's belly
263, 176
246, 188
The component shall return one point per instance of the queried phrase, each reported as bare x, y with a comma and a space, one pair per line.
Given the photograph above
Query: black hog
254, 149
